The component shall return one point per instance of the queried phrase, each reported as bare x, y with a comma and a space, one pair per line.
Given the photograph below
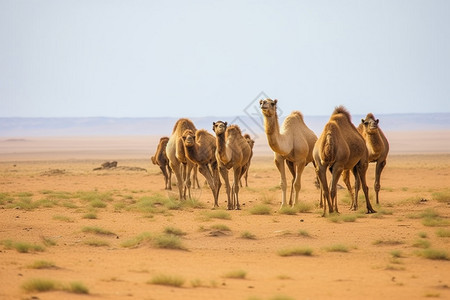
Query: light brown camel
340, 147
160, 159
378, 147
292, 144
180, 165
200, 148
232, 151
251, 142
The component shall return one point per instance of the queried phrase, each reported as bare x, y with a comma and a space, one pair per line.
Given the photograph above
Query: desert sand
50, 197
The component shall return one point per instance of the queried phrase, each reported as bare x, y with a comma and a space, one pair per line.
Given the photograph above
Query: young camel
378, 147
340, 147
200, 148
160, 159
180, 165
251, 142
292, 144
232, 151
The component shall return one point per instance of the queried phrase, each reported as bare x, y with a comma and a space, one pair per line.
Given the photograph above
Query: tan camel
292, 144
251, 142
340, 147
180, 165
200, 148
378, 147
160, 159
232, 151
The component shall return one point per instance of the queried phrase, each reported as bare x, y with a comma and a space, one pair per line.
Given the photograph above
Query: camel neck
274, 136
221, 148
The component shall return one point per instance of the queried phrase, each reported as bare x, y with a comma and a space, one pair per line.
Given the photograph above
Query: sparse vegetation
221, 227
62, 218
96, 243
337, 248
42, 264
248, 235
169, 280
174, 231
421, 244
296, 252
168, 241
434, 254
46, 285
22, 247
260, 209
137, 240
387, 242
303, 233
216, 214
97, 230
443, 197
236, 274
443, 232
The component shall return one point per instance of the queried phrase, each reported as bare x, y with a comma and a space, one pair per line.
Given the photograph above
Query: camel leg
217, 183
337, 171
298, 181
237, 176
188, 183
169, 182
224, 173
291, 168
205, 171
346, 179
354, 205
362, 169
178, 170
379, 168
325, 193
164, 171
279, 162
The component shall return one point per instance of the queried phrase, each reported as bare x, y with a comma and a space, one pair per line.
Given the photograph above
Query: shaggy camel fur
200, 148
180, 165
378, 147
340, 147
232, 151
292, 144
160, 159
251, 143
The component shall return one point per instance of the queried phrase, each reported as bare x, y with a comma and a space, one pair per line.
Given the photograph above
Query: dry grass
304, 251
168, 280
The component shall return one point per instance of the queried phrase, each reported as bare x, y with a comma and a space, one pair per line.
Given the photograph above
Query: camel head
370, 123
249, 140
219, 127
268, 107
188, 138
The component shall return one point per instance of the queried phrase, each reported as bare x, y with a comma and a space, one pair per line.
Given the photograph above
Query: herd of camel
341, 148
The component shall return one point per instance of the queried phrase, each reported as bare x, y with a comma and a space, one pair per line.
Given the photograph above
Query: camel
340, 147
180, 165
232, 151
160, 159
200, 148
378, 147
293, 144
251, 143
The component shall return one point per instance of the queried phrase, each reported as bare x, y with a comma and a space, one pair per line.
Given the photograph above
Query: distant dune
113, 138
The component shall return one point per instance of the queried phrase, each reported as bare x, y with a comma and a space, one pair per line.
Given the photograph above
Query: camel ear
261, 102
226, 123
376, 121
275, 101
362, 121
214, 125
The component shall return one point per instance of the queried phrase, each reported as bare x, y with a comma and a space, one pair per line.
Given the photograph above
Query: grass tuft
260, 209
248, 235
337, 248
96, 243
168, 241
22, 247
295, 252
40, 285
42, 264
435, 254
236, 274
97, 230
137, 240
421, 244
443, 232
77, 287
168, 280
174, 231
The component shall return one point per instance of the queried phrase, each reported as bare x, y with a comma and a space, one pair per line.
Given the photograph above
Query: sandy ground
54, 176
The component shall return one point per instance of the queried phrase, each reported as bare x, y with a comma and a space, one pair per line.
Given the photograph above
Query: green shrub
296, 252
168, 280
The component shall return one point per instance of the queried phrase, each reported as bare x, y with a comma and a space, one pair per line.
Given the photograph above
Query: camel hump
181, 125
202, 133
328, 154
234, 129
342, 110
298, 114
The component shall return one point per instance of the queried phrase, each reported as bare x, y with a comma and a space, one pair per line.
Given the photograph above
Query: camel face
268, 107
189, 138
370, 124
219, 127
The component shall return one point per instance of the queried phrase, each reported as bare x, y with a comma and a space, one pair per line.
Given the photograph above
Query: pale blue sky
130, 58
